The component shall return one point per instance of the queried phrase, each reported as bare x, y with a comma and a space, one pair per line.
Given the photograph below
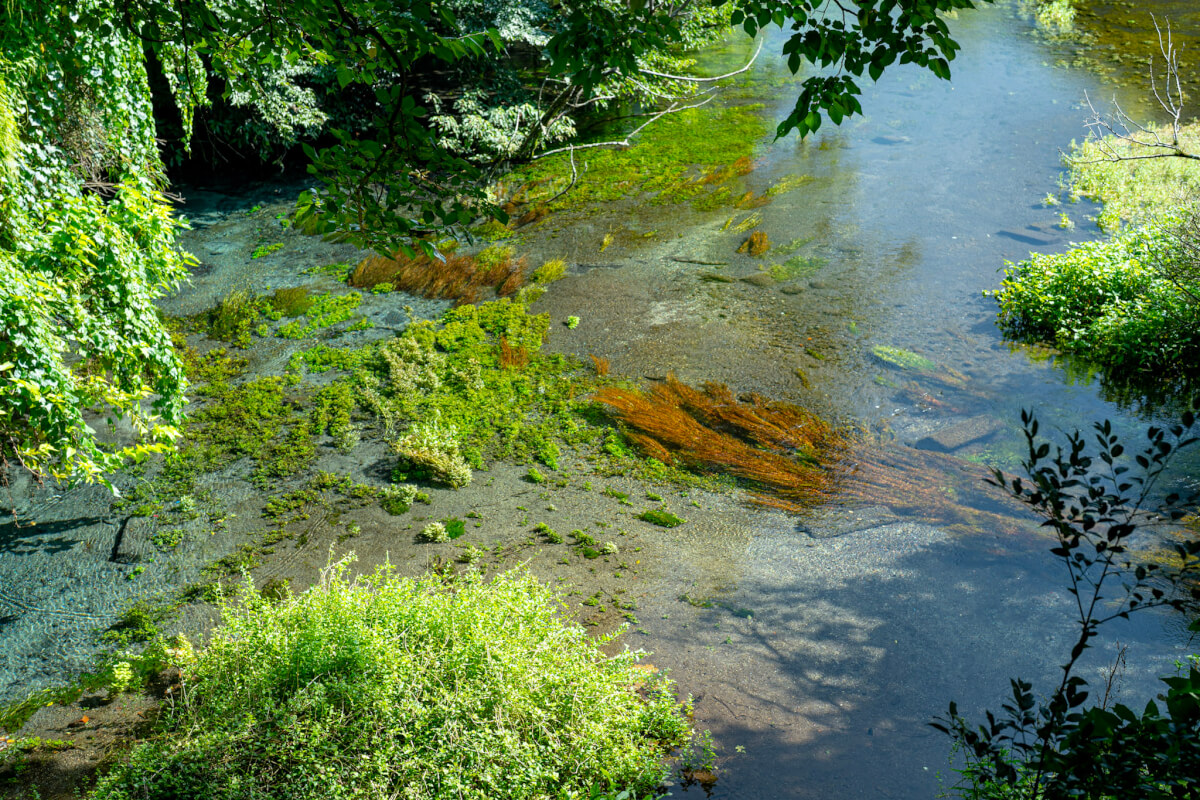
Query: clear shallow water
854, 643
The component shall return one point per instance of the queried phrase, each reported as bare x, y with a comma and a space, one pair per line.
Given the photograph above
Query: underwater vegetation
778, 446
461, 278
793, 460
905, 359
756, 244
689, 157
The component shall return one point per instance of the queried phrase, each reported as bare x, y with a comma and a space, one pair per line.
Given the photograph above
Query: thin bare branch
715, 78
672, 109
1119, 126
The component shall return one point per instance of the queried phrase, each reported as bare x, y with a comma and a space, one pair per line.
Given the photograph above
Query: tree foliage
87, 241
852, 38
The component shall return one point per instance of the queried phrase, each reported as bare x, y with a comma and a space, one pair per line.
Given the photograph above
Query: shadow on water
29, 537
830, 684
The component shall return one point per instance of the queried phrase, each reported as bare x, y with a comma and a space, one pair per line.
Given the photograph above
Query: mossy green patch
662, 518
264, 250
788, 183
905, 359
1136, 189
795, 267
325, 311
666, 158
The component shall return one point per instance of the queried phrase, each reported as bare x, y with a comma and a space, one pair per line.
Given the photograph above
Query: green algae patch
794, 268
663, 519
904, 359
788, 183
684, 157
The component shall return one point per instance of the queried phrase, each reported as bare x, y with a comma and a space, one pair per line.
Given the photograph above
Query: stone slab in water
960, 434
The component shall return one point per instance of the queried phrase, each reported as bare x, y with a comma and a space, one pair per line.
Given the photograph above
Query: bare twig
1145, 142
1113, 675
674, 108
715, 78
571, 185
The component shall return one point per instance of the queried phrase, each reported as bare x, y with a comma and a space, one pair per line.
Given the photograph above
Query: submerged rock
960, 434
760, 279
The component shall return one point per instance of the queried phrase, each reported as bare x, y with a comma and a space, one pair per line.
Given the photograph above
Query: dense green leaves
87, 242
850, 39
398, 688
1110, 302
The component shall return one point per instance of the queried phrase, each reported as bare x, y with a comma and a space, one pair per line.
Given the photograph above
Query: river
816, 646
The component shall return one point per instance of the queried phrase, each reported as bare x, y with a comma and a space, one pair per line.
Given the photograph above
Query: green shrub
396, 500
291, 302
432, 448
1107, 302
391, 687
434, 532
235, 317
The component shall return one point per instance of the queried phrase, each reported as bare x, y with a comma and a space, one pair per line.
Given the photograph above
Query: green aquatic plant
234, 317
905, 359
434, 532
662, 518
493, 230
795, 267
362, 668
663, 160
749, 223
552, 270
264, 250
325, 311
788, 183
1054, 17
431, 448
397, 499
291, 302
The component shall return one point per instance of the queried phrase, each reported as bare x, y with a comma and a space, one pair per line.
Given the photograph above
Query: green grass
1133, 190
386, 687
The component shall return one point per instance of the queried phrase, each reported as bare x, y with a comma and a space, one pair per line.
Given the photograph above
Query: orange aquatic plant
454, 277
793, 459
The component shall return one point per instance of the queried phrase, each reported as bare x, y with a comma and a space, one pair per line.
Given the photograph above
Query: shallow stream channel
816, 645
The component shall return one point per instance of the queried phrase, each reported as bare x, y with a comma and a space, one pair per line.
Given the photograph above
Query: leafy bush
1107, 301
396, 500
432, 448
391, 687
